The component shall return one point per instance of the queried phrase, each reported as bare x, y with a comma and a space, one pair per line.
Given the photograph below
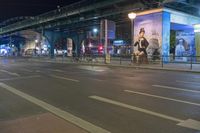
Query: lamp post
36, 43
132, 16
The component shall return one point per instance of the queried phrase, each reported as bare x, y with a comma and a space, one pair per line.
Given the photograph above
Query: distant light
132, 15
95, 30
36, 41
118, 42
100, 47
3, 51
90, 45
197, 28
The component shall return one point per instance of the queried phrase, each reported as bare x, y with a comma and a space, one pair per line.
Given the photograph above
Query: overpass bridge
95, 9
76, 19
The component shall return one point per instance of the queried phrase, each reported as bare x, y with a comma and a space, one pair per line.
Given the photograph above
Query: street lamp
36, 42
95, 30
132, 16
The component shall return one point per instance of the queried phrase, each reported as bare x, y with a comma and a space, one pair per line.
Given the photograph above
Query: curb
123, 66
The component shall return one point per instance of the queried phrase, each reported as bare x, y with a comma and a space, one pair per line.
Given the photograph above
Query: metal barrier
176, 62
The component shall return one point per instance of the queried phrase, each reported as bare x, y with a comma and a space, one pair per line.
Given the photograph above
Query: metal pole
132, 35
132, 39
106, 36
106, 40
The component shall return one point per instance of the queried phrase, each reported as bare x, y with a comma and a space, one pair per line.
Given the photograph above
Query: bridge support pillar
77, 38
51, 36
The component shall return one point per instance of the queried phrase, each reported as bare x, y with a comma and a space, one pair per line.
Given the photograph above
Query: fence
178, 62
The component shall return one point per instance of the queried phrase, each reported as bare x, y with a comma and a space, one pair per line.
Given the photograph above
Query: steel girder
57, 14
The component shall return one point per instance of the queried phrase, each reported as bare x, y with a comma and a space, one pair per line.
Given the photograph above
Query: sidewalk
42, 123
126, 63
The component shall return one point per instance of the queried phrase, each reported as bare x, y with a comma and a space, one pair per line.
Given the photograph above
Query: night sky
13, 8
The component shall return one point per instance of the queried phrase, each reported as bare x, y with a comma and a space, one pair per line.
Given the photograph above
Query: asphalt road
100, 99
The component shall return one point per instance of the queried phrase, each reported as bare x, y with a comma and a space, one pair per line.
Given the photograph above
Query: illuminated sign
118, 42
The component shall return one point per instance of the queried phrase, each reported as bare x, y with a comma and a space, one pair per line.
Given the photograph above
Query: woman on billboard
142, 44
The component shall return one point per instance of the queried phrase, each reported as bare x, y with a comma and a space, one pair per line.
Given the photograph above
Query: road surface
40, 97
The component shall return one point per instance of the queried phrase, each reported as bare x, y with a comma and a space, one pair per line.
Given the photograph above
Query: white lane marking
100, 70
99, 80
161, 97
64, 78
56, 70
10, 73
196, 77
93, 68
91, 128
175, 88
188, 82
27, 70
106, 100
193, 124
26, 77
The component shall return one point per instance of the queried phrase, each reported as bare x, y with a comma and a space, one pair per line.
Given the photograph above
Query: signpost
108, 29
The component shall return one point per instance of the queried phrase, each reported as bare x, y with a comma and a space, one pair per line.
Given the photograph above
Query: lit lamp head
36, 41
132, 15
95, 30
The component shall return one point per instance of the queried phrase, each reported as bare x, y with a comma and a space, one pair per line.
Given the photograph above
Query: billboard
185, 45
69, 46
152, 25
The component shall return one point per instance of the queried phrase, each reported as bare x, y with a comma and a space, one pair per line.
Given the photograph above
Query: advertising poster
197, 42
152, 25
185, 45
69, 47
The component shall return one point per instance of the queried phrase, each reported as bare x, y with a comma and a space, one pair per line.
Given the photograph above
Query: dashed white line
56, 70
27, 70
193, 124
91, 128
99, 80
188, 82
106, 100
161, 97
10, 73
175, 88
64, 78
18, 78
37, 71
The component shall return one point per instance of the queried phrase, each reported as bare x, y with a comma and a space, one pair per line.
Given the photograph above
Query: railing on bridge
64, 12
